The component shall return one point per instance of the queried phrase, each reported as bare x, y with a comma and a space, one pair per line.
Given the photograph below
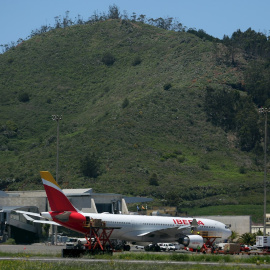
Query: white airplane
134, 228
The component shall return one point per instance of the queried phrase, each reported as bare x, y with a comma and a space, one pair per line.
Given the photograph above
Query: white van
72, 243
167, 246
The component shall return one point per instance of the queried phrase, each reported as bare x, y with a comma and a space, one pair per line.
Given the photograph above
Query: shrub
167, 86
125, 103
108, 59
10, 60
153, 181
181, 159
10, 241
242, 170
205, 166
90, 166
136, 61
23, 97
10, 129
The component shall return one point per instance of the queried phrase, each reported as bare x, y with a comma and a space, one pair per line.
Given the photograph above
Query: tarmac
33, 249
48, 249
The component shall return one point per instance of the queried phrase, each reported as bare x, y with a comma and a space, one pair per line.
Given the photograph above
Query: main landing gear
152, 247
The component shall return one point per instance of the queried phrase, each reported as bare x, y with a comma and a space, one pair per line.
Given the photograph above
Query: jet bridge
14, 225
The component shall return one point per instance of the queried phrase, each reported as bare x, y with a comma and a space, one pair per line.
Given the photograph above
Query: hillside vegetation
136, 116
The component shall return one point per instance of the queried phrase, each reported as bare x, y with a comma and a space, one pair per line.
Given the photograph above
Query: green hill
132, 97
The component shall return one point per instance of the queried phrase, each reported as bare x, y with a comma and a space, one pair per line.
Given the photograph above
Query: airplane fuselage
138, 228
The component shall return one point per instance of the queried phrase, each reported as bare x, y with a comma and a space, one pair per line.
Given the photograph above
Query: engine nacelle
191, 241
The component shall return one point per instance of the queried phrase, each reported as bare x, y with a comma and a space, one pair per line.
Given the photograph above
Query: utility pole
264, 111
56, 118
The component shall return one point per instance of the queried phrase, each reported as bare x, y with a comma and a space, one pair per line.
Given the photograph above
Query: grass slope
162, 132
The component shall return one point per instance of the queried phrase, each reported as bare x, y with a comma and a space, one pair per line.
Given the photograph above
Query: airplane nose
228, 233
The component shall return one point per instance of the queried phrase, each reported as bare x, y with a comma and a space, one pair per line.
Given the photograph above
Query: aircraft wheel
126, 247
147, 248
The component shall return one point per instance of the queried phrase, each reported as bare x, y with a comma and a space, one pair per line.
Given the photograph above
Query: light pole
264, 111
56, 118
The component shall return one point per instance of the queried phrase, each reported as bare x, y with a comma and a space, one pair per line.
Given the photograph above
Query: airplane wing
27, 214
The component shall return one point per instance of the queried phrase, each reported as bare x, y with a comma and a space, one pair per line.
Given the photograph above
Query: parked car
75, 243
244, 248
167, 246
71, 243
139, 247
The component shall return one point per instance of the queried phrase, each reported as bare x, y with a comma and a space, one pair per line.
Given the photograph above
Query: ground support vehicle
97, 240
260, 251
167, 246
152, 247
208, 246
71, 243
229, 248
74, 243
263, 241
139, 247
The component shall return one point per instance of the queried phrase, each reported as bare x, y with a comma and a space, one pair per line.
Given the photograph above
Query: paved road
34, 249
40, 249
57, 250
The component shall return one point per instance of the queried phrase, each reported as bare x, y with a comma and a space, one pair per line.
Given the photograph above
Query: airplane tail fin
57, 199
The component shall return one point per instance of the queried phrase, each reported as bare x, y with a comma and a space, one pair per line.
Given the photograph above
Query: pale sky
216, 17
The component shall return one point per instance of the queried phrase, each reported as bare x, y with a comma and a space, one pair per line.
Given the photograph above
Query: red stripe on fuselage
57, 200
75, 222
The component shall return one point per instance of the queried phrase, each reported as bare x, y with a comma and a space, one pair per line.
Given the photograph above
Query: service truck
75, 243
263, 242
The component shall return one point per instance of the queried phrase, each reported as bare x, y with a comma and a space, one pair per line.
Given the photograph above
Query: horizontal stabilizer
27, 214
28, 218
40, 221
46, 222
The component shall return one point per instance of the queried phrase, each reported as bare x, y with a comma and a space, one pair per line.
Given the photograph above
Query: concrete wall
239, 224
41, 203
82, 203
85, 202
106, 198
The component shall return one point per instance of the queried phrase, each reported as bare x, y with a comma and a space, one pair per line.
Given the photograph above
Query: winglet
57, 199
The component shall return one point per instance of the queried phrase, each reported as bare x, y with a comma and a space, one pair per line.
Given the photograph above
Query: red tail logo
57, 199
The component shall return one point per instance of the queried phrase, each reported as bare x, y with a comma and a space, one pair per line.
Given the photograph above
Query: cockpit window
227, 226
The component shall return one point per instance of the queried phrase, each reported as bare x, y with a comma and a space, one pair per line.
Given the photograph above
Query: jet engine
191, 241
